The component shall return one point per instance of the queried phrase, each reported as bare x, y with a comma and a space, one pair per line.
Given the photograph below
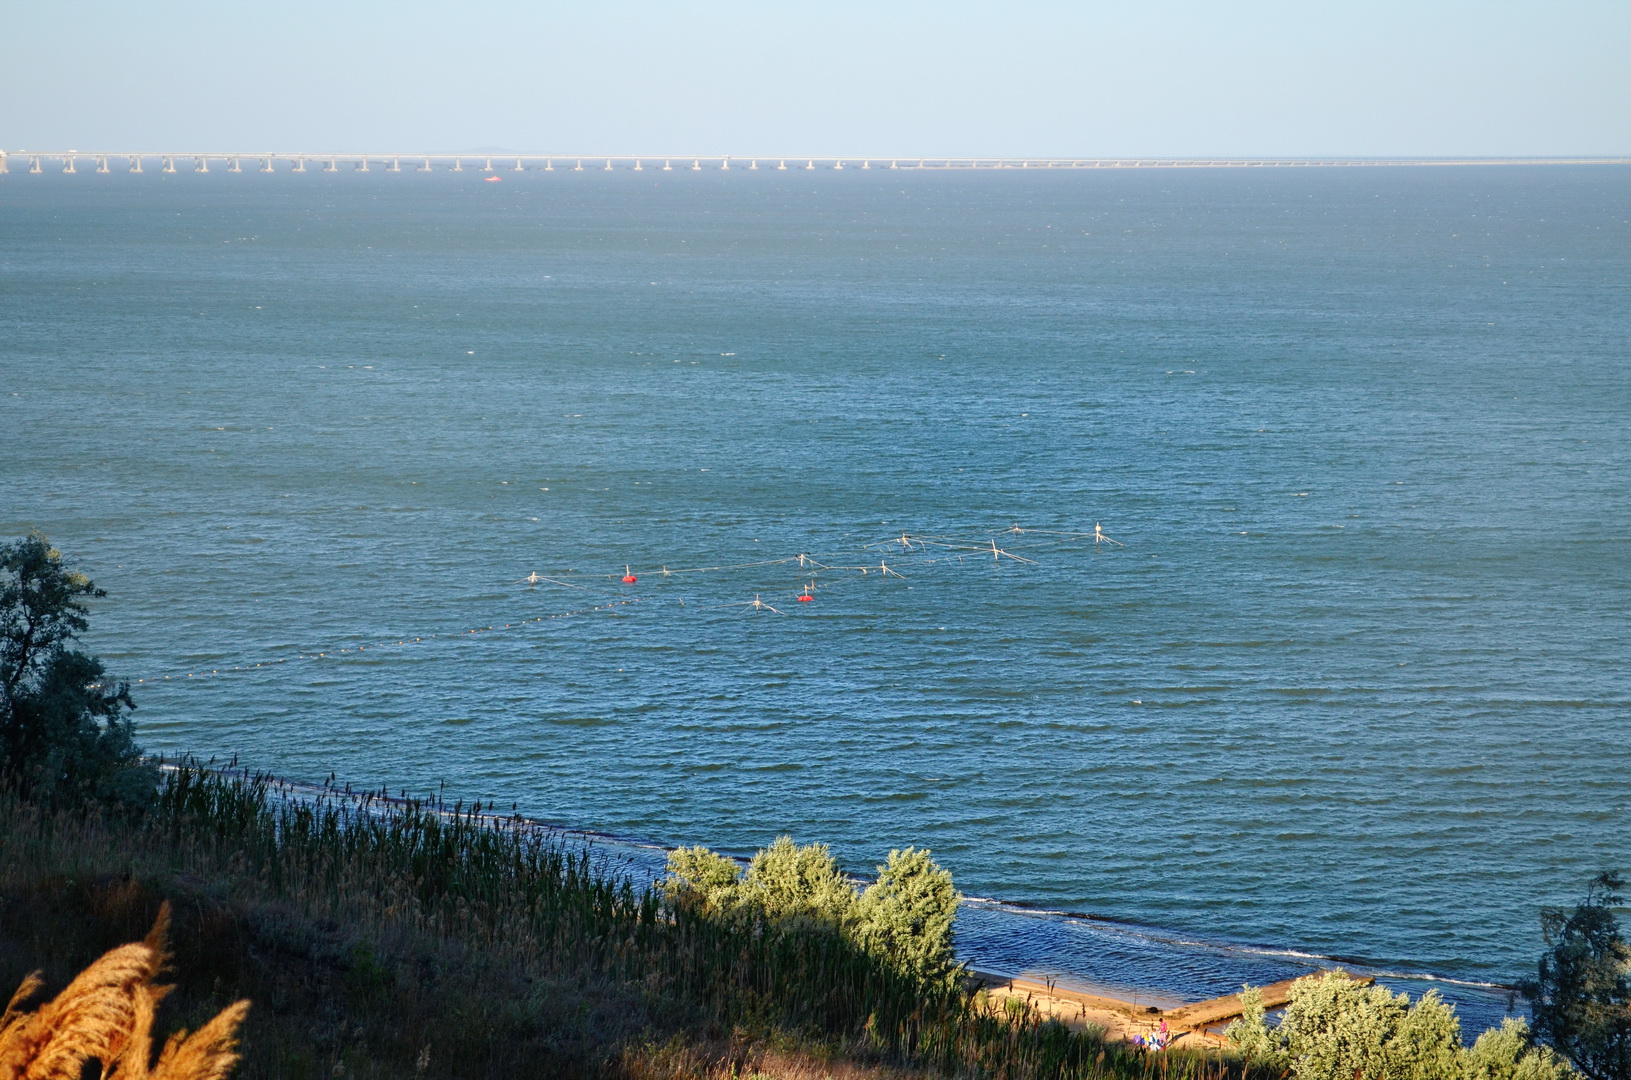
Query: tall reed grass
461, 885
105, 1016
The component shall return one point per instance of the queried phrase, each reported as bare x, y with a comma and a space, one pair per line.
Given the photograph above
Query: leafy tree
1581, 995
1336, 1028
907, 914
65, 730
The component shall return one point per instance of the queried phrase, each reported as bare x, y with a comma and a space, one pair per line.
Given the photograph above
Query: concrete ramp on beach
1125, 1020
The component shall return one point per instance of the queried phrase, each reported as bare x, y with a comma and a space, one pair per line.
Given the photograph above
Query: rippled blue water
1356, 684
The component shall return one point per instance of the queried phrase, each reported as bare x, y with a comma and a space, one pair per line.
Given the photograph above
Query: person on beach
1155, 1040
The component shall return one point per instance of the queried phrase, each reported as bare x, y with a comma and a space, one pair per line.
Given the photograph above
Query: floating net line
1014, 545
953, 549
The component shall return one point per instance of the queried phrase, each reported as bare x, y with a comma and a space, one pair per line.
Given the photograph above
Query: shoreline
1125, 1006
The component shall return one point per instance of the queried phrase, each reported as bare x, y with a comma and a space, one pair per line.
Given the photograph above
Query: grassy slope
424, 943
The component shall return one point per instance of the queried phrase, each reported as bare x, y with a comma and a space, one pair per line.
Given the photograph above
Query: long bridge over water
203, 161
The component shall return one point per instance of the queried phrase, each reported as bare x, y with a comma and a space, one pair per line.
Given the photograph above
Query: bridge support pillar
234, 166
201, 164
169, 164
426, 166
332, 166
266, 164
68, 164
361, 166
725, 165
299, 164
549, 164
34, 164
4, 167
458, 165
394, 166
518, 166
488, 167
102, 164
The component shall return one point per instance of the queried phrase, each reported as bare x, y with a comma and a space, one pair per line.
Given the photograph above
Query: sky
767, 78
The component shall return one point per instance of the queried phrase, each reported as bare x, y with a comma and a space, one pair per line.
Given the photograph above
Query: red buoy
805, 597
628, 576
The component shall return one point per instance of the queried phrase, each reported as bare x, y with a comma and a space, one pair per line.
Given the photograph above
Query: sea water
1352, 681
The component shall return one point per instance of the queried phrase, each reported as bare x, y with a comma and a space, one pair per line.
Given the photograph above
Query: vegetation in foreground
105, 1017
390, 939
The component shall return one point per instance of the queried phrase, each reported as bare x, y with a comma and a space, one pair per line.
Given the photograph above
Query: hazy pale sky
1026, 77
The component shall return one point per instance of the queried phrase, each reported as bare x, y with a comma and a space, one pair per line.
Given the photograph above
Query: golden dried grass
106, 1013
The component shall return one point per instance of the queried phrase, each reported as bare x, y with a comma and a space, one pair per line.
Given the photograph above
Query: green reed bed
396, 937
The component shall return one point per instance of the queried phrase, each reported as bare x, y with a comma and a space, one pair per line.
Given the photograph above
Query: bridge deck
365, 161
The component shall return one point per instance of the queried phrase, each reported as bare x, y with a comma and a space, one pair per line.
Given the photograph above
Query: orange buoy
628, 575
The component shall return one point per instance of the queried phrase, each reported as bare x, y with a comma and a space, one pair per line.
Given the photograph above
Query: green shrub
786, 882
905, 917
1509, 1053
703, 880
1337, 1028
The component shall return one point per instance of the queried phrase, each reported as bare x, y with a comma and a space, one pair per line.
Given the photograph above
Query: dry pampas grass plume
106, 1013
